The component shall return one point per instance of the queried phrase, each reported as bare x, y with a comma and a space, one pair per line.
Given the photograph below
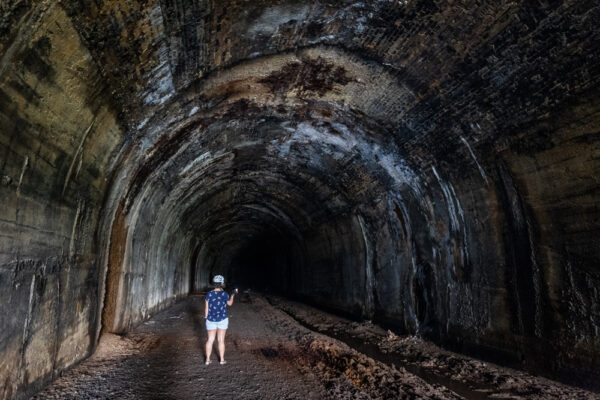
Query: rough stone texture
431, 165
56, 138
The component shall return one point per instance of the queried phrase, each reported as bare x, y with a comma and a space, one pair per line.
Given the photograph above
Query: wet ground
275, 351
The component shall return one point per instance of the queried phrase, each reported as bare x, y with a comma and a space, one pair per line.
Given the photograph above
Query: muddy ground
279, 349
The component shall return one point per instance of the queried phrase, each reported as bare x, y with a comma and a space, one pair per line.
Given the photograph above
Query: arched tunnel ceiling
436, 160
291, 133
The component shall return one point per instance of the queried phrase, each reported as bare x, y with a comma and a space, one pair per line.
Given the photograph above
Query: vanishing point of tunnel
406, 193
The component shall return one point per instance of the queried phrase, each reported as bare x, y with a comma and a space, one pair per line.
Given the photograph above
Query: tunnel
429, 166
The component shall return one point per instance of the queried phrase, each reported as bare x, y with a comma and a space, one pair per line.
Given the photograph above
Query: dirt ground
467, 377
275, 351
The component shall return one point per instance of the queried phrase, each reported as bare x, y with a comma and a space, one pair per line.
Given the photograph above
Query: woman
215, 312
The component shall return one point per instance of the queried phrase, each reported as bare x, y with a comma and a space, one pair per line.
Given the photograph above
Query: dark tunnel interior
429, 166
262, 263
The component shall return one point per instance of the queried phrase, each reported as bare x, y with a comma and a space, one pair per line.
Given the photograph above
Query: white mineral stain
193, 111
23, 169
273, 17
481, 171
454, 224
142, 124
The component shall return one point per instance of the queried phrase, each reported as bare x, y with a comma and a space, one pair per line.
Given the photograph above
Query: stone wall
435, 163
57, 136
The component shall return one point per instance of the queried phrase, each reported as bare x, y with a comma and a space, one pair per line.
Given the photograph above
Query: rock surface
429, 165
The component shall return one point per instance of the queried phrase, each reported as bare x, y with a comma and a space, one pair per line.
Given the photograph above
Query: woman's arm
230, 302
205, 309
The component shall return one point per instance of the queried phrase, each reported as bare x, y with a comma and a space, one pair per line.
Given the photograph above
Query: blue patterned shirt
217, 305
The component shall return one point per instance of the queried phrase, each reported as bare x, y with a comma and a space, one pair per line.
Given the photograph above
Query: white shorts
211, 326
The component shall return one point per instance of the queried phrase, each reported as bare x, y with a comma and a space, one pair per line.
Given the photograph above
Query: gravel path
164, 359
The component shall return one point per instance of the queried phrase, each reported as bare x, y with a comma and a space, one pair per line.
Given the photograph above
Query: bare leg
221, 340
209, 344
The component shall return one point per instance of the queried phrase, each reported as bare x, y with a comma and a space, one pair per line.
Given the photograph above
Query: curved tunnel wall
429, 166
57, 136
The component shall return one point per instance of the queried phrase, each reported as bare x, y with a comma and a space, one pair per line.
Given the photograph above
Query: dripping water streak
75, 223
449, 202
23, 169
26, 325
481, 171
369, 284
462, 218
75, 156
413, 267
29, 310
412, 296
537, 277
